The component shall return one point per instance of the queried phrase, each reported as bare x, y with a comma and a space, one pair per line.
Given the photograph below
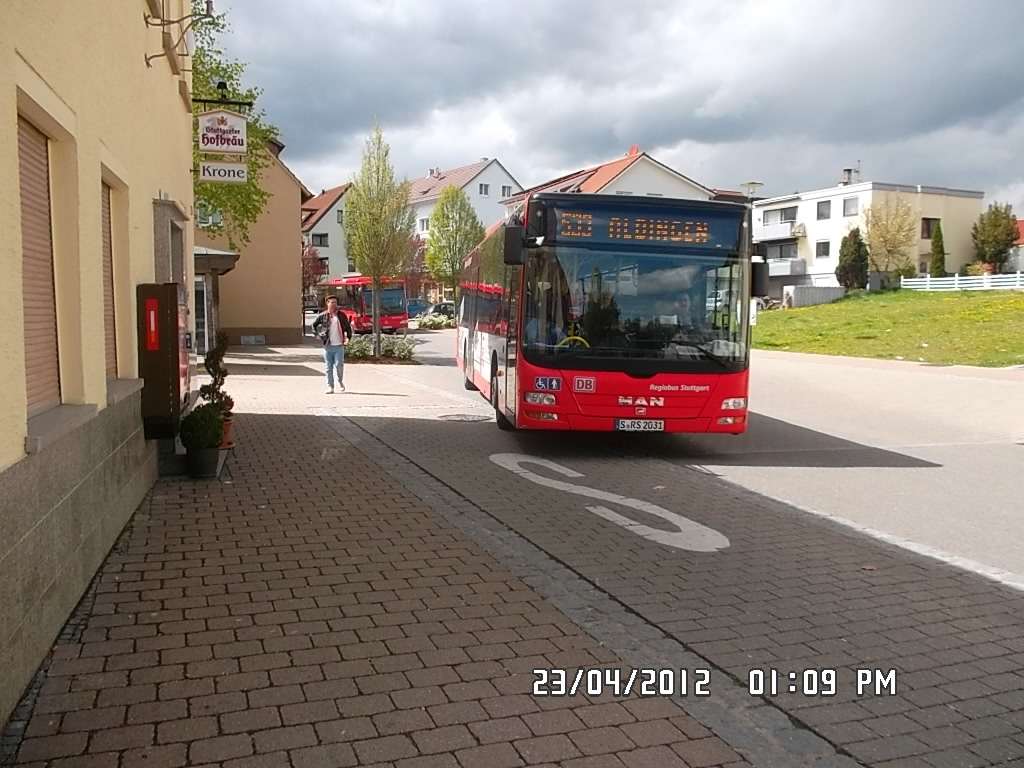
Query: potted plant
213, 393
202, 431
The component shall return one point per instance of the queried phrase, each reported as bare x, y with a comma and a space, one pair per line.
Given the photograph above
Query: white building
636, 173
485, 182
802, 232
323, 228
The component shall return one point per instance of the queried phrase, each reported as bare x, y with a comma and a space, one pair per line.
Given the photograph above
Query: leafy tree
454, 231
378, 222
239, 204
994, 235
891, 231
313, 269
938, 265
852, 271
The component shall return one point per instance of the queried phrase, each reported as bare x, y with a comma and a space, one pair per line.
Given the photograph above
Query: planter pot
202, 462
228, 440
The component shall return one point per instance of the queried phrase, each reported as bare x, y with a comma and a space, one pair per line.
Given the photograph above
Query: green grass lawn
964, 328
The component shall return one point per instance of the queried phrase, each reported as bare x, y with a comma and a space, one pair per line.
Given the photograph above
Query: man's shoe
341, 387
329, 391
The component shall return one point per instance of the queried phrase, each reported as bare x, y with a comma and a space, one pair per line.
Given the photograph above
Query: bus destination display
654, 227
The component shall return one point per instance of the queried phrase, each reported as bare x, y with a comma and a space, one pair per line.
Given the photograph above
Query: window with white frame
424, 224
485, 190
321, 240
208, 217
780, 215
781, 251
850, 206
824, 210
822, 249
341, 216
506, 191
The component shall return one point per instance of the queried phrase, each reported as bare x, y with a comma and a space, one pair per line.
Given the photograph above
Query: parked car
446, 308
416, 307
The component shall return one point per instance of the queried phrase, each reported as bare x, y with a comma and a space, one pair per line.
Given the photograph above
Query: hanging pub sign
222, 132
228, 173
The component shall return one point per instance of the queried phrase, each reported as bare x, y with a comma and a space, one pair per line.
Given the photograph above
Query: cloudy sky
787, 93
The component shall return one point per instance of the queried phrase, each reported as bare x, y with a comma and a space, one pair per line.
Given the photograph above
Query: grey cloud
580, 81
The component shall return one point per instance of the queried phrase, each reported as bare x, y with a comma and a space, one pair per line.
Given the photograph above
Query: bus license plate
639, 425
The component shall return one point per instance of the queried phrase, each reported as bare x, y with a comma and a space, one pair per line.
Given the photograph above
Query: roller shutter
42, 369
109, 328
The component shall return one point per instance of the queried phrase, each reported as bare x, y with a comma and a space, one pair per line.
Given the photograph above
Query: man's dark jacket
322, 326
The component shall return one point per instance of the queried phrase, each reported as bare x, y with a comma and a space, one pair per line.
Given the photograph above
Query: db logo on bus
584, 384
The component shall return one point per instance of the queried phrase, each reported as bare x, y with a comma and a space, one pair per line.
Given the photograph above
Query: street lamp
752, 187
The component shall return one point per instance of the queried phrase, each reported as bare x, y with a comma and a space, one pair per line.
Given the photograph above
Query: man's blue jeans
334, 355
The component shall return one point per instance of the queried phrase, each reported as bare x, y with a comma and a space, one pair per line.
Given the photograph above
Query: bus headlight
539, 398
734, 403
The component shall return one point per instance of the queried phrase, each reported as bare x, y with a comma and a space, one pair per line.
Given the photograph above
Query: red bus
355, 297
608, 313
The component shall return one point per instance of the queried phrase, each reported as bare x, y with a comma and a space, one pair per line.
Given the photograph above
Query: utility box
164, 357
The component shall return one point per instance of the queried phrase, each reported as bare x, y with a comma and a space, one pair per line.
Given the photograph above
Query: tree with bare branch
378, 222
891, 230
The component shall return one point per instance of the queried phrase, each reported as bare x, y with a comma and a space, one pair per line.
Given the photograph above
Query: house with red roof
323, 228
636, 173
1016, 260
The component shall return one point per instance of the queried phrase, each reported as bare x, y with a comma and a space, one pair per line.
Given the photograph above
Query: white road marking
691, 535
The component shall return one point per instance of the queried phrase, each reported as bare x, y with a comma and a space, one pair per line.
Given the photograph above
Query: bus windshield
392, 301
635, 309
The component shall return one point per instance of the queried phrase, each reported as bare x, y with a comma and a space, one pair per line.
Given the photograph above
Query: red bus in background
608, 313
355, 297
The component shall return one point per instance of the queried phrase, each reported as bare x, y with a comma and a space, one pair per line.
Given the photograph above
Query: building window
824, 210
928, 228
780, 215
341, 216
781, 251
109, 321
822, 249
850, 206
424, 224
321, 240
506, 191
208, 217
923, 267
485, 190
42, 367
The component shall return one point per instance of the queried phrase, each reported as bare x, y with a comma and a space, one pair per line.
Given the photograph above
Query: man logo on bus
645, 401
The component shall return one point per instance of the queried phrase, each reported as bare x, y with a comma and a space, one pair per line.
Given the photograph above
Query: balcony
786, 267
785, 230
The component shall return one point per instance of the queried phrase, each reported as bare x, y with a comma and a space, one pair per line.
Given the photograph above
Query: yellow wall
77, 70
957, 214
264, 290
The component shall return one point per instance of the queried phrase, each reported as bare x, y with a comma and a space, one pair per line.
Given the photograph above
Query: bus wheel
502, 421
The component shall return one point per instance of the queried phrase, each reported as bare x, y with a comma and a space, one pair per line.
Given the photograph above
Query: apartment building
802, 232
95, 199
323, 227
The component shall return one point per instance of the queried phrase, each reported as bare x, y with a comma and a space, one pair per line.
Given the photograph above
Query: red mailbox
164, 365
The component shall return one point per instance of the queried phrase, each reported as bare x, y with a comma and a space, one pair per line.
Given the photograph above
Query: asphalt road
678, 552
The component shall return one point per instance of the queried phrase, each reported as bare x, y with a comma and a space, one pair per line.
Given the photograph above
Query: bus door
510, 314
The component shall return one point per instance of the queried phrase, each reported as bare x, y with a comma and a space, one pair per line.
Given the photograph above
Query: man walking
334, 331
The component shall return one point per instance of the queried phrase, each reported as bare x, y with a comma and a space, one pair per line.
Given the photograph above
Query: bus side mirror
759, 278
514, 249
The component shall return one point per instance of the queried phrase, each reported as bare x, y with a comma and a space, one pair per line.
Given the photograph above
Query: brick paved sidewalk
246, 622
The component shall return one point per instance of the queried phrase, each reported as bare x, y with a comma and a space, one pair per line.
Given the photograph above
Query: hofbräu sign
222, 132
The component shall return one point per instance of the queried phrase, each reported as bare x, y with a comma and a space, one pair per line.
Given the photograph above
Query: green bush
974, 268
203, 427
395, 346
436, 322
